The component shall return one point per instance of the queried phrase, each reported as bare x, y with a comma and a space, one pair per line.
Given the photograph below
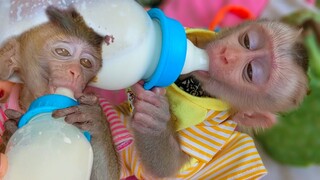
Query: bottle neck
46, 104
196, 59
44, 117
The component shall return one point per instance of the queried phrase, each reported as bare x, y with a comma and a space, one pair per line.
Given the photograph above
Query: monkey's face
244, 57
69, 62
247, 68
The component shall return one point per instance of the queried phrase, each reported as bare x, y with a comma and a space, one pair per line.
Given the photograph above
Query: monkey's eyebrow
92, 53
67, 42
258, 37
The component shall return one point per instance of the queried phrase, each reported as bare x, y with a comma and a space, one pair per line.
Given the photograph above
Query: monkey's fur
36, 57
254, 105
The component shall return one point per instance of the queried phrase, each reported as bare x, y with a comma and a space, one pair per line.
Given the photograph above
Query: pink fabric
199, 13
120, 134
114, 97
311, 1
12, 103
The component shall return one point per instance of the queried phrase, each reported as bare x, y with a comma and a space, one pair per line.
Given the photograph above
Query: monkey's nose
224, 60
223, 56
74, 74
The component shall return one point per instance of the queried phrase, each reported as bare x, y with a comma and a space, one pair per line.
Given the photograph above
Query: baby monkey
63, 52
259, 68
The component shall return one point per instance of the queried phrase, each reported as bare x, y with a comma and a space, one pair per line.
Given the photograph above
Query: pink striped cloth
3, 117
11, 103
121, 136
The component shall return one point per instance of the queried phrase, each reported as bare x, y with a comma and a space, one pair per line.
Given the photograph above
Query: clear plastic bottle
47, 148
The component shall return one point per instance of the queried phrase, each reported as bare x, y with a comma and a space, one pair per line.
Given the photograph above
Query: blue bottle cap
44, 104
173, 51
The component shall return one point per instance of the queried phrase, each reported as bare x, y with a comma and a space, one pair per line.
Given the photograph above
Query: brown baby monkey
259, 68
63, 52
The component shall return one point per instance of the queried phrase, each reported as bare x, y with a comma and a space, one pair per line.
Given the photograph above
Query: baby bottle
47, 148
141, 45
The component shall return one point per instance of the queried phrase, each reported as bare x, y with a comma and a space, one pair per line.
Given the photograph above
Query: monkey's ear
255, 119
8, 62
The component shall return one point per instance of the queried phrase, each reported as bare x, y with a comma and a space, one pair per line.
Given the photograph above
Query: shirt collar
191, 110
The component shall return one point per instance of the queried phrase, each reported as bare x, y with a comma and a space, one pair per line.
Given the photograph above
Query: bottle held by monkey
152, 47
48, 148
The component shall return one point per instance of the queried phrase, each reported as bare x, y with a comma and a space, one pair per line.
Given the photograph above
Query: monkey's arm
105, 161
154, 132
89, 116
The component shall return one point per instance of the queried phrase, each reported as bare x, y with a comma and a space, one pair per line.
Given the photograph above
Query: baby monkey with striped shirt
258, 67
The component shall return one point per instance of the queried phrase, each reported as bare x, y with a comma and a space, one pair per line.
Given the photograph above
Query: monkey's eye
246, 41
248, 72
85, 63
62, 52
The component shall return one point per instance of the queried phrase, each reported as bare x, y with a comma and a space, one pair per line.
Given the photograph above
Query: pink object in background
121, 136
311, 2
114, 97
12, 101
200, 13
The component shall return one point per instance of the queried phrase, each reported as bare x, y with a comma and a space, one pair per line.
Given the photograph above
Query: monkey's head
259, 66
63, 52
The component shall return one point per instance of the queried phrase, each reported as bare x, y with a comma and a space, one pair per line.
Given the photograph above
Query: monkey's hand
155, 136
151, 113
10, 127
89, 116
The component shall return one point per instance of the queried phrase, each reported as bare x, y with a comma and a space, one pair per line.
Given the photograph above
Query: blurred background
290, 149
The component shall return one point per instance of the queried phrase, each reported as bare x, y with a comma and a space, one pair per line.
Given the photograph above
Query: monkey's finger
139, 91
159, 91
64, 112
77, 118
88, 99
10, 126
141, 128
152, 104
85, 126
13, 114
148, 121
156, 116
156, 100
2, 148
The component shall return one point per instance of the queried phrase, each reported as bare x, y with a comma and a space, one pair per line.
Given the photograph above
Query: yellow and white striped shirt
217, 151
